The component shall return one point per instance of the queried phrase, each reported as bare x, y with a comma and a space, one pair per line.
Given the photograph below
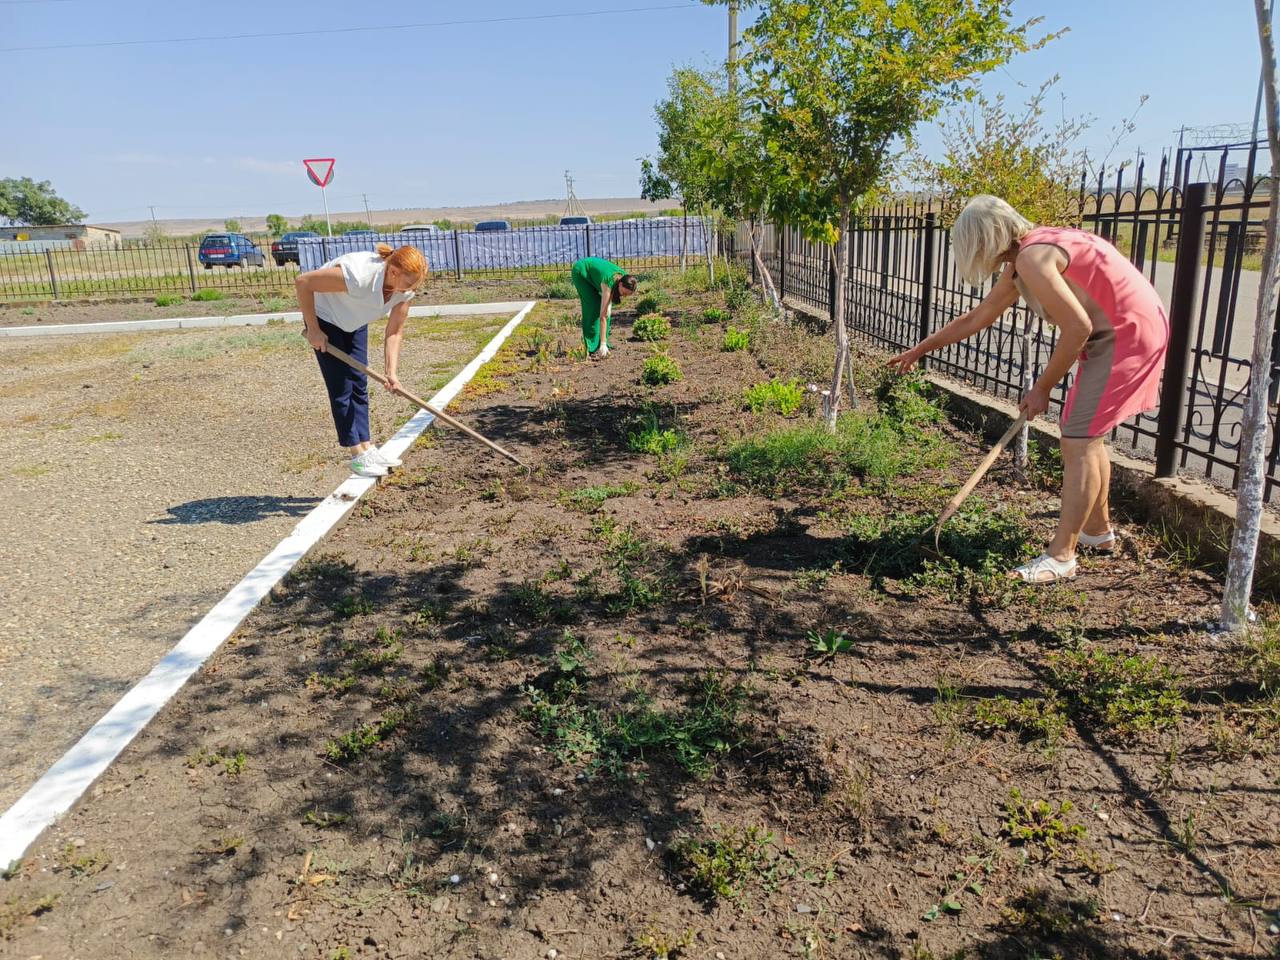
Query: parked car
361, 233
285, 250
230, 250
420, 228
574, 221
486, 225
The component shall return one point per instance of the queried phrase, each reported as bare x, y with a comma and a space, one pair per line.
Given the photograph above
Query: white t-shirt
362, 303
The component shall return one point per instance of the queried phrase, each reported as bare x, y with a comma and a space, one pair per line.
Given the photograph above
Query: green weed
782, 397
1125, 694
359, 741
1036, 718
651, 327
651, 303
168, 299
652, 438
557, 289
659, 369
324, 819
735, 340
591, 498
655, 944
715, 315
232, 763
208, 294
722, 865
353, 606
1040, 824
828, 642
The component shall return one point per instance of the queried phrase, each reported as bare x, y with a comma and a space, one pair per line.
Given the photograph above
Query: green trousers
590, 299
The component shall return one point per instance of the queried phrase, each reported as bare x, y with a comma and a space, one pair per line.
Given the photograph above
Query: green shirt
598, 272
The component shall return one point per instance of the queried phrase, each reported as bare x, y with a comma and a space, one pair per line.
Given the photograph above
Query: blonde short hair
985, 229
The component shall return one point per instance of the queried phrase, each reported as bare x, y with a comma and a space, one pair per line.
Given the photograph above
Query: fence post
587, 227
457, 255
191, 270
926, 279
53, 278
1174, 394
782, 261
752, 246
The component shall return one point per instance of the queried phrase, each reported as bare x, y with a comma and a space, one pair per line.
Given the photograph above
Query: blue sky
477, 113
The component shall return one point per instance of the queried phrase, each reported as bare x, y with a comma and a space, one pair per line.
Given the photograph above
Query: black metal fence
1199, 245
175, 269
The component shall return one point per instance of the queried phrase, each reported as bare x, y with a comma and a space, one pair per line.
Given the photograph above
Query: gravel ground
147, 474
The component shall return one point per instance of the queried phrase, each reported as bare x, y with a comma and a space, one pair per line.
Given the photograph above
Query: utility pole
572, 207
733, 46
368, 218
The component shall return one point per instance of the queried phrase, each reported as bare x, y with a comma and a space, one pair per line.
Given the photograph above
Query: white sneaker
367, 465
386, 460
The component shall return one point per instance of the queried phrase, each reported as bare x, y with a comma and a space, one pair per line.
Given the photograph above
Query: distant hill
516, 210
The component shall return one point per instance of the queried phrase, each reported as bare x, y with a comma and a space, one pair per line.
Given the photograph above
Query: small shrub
590, 498
168, 299
715, 315
660, 369
1036, 718
654, 440
723, 865
734, 340
651, 303
738, 298
558, 290
784, 398
652, 326
208, 293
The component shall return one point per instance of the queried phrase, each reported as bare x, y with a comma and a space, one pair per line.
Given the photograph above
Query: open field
691, 689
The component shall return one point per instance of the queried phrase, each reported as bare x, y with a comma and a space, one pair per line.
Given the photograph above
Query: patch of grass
1034, 915
659, 369
715, 315
655, 944
590, 499
558, 288
1044, 463
651, 327
359, 741
1036, 718
809, 459
1039, 824
735, 340
82, 864
168, 299
1260, 657
722, 865
324, 819
20, 910
776, 395
1125, 694
652, 302
207, 294
537, 604
353, 606
652, 438
643, 568
738, 298
276, 305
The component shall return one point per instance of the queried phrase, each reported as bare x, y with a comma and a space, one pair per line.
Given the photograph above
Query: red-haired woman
338, 302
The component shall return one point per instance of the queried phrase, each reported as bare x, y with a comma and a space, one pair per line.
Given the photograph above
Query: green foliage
654, 440
784, 398
277, 224
738, 298
678, 171
353, 606
168, 299
1039, 823
659, 369
1035, 718
650, 303
828, 642
359, 741
651, 327
1261, 657
735, 339
722, 865
809, 458
23, 200
232, 763
208, 293
1126, 694
231, 226
558, 289
715, 315
591, 498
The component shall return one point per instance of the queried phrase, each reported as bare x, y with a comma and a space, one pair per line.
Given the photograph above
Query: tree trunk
707, 238
762, 271
1253, 445
684, 236
840, 253
1021, 457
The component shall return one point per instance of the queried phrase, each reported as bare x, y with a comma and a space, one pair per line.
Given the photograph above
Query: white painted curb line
240, 320
64, 783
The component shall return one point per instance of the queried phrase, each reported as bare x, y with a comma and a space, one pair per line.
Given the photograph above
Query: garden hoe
963, 493
438, 414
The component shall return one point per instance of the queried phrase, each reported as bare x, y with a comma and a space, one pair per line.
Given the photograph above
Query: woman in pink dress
1108, 316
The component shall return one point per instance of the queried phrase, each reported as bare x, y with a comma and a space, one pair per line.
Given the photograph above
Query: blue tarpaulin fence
634, 242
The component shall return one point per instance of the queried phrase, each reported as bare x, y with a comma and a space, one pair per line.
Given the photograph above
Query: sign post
321, 175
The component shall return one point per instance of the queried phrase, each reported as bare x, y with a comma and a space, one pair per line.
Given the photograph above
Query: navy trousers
348, 388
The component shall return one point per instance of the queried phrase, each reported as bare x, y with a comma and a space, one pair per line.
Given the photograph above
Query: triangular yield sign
322, 171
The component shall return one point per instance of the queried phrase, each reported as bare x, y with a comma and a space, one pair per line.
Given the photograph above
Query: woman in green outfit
600, 284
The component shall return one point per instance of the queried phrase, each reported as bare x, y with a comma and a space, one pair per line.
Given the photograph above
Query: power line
342, 30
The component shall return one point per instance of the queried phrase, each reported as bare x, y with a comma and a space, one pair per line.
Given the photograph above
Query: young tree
23, 200
231, 226
839, 82
277, 224
1253, 445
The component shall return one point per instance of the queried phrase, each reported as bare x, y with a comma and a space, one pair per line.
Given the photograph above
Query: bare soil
582, 710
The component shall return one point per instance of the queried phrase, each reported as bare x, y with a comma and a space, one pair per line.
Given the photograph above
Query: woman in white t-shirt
338, 302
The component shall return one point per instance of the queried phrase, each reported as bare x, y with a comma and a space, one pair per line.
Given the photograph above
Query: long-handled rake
438, 414
963, 493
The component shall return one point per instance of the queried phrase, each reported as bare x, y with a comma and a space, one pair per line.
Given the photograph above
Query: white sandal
1103, 542
1045, 569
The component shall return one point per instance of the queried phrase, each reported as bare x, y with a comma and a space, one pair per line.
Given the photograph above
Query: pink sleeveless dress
1123, 360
